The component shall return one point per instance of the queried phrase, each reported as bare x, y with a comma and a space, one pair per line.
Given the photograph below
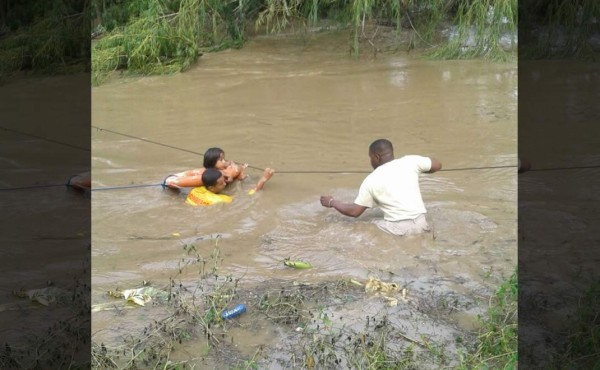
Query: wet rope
443, 169
33, 187
44, 138
347, 171
283, 171
162, 184
564, 168
128, 187
67, 184
157, 143
146, 140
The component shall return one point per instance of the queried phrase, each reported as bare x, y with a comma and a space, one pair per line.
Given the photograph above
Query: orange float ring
193, 178
185, 179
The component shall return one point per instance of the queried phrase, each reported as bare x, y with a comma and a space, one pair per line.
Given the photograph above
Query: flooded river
299, 107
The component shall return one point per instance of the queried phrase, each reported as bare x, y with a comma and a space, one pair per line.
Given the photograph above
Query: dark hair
210, 177
211, 156
381, 146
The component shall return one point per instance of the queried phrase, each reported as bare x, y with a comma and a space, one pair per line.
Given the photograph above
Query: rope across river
134, 186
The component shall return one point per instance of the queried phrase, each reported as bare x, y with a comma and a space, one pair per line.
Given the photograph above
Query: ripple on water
105, 250
336, 244
459, 224
115, 277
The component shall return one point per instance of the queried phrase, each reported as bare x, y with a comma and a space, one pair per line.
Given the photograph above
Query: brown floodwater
44, 233
558, 209
301, 106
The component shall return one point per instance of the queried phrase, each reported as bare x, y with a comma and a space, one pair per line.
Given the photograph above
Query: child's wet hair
211, 156
210, 177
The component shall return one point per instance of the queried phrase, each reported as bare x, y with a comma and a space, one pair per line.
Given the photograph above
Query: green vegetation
323, 337
155, 42
43, 36
496, 345
559, 28
480, 27
165, 36
582, 349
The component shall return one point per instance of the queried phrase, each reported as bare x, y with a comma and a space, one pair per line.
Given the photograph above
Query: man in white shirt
393, 186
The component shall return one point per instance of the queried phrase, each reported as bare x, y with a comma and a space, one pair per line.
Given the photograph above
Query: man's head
214, 158
380, 151
213, 180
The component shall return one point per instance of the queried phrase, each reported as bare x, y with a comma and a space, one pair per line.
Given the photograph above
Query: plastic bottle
235, 311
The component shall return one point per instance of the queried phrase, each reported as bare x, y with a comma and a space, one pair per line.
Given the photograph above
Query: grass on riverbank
496, 345
309, 318
157, 38
55, 42
154, 43
582, 347
559, 29
480, 28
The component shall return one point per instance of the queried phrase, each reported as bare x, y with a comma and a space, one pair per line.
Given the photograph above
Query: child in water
214, 182
213, 158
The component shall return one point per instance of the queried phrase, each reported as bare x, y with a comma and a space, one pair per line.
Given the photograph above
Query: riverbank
296, 324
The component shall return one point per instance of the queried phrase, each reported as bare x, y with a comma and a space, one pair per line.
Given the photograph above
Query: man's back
394, 187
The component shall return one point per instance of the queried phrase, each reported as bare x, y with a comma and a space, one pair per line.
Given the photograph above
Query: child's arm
267, 174
185, 179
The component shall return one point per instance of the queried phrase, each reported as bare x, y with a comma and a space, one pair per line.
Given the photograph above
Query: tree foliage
43, 35
145, 36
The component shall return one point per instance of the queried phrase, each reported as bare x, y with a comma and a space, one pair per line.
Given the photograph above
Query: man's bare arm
347, 209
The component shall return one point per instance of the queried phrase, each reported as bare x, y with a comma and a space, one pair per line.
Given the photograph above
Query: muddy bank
421, 323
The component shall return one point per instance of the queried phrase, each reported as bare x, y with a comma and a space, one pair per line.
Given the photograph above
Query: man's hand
435, 165
326, 200
524, 165
347, 209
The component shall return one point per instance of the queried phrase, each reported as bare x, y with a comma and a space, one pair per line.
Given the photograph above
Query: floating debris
139, 296
45, 296
383, 289
235, 311
297, 264
374, 285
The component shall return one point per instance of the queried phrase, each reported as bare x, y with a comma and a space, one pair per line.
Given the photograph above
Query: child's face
231, 172
221, 162
219, 186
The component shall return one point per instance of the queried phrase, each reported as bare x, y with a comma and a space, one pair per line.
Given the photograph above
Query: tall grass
558, 28
479, 27
496, 345
163, 36
156, 42
54, 38
582, 348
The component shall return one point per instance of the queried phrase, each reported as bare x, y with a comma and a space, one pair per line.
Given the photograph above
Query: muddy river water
297, 107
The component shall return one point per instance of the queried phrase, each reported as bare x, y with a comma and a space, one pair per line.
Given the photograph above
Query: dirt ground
291, 324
